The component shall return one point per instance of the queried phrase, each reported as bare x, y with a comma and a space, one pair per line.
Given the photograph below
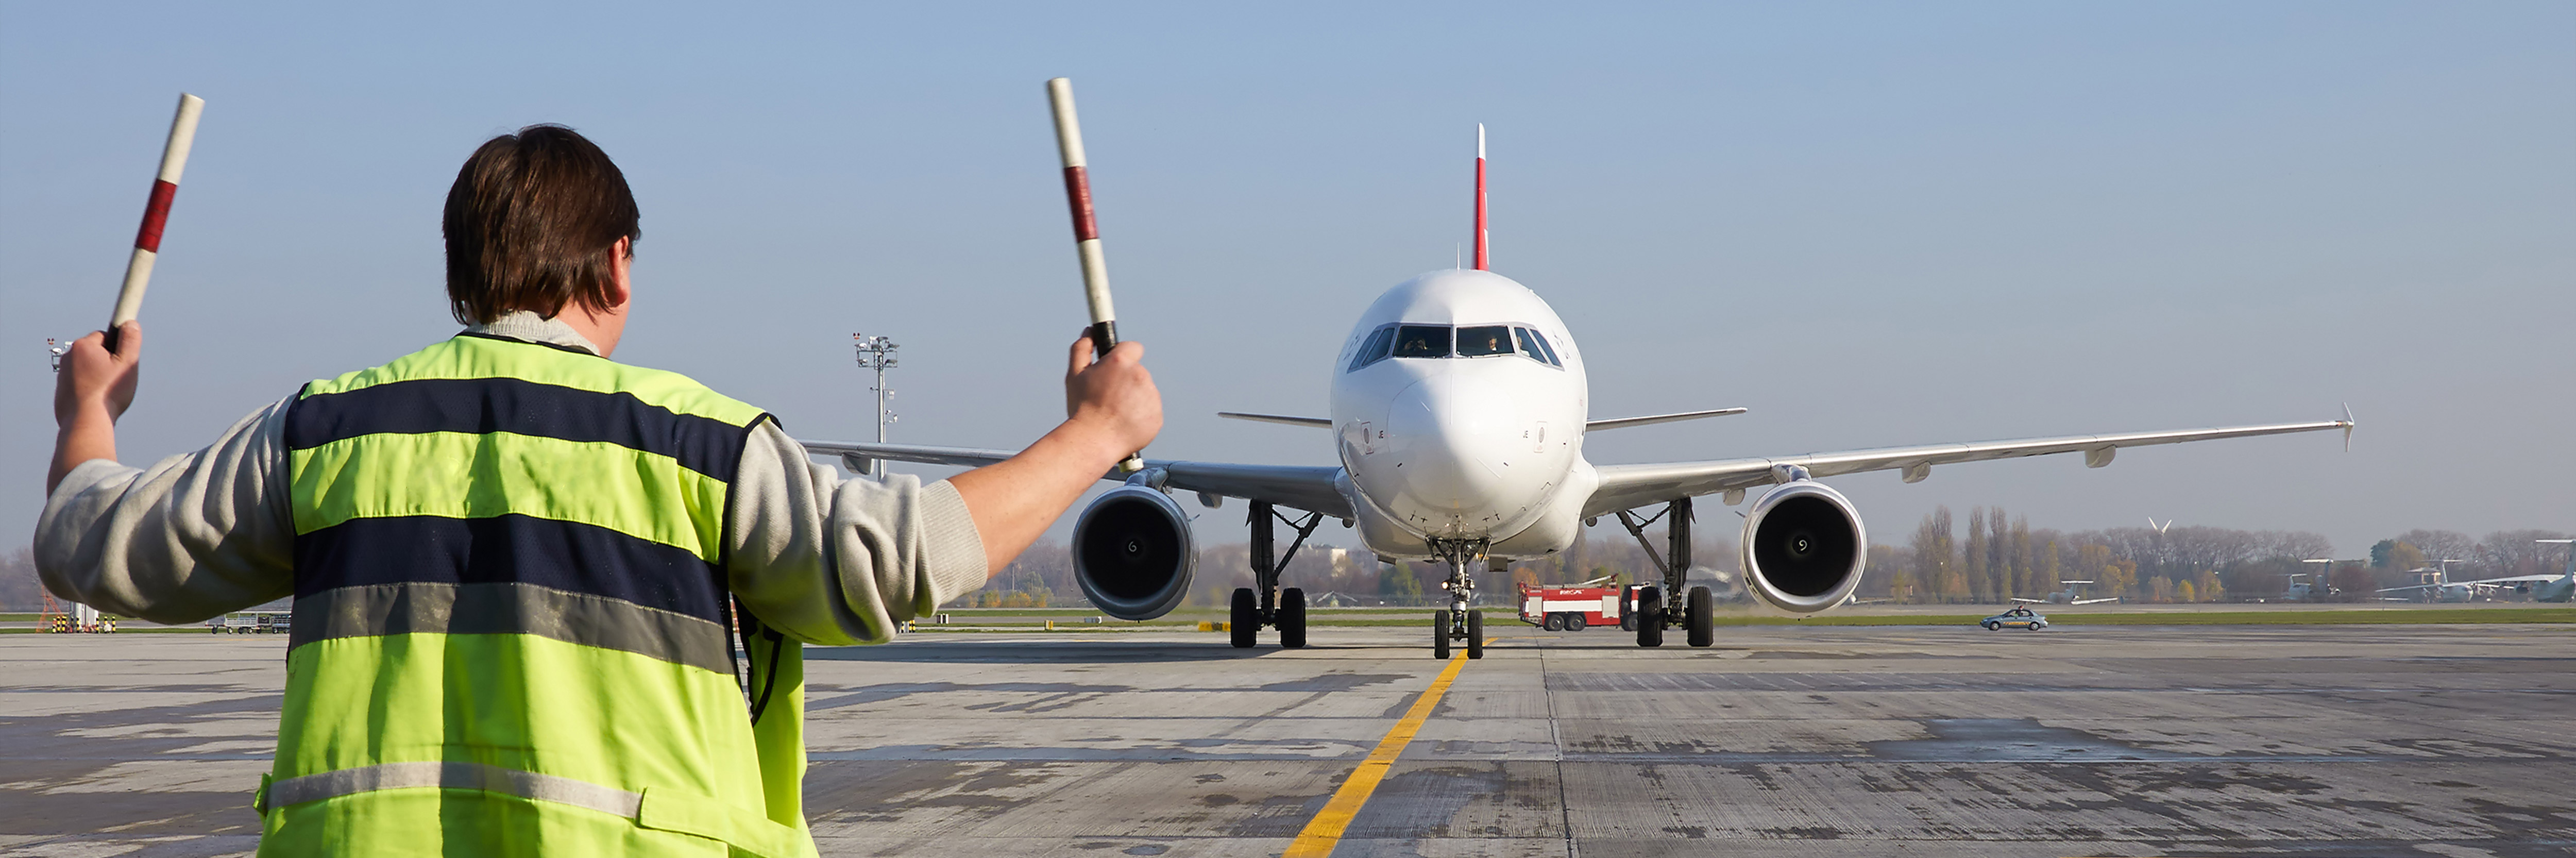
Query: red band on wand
156, 212
1077, 191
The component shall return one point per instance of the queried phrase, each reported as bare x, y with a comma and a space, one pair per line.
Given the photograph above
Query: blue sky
1873, 224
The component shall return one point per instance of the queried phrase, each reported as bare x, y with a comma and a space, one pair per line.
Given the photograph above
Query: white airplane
2543, 588
1459, 408
2066, 596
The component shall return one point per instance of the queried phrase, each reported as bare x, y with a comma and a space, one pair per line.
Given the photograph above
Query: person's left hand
93, 376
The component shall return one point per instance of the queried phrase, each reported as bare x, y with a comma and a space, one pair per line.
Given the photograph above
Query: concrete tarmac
2142, 740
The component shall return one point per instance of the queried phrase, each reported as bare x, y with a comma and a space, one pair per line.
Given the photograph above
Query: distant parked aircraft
2543, 588
2066, 596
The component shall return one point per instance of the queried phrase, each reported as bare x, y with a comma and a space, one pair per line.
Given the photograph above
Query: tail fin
1480, 197
2571, 556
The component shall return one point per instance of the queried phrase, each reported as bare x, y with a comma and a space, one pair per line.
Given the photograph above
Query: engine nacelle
1804, 547
1133, 554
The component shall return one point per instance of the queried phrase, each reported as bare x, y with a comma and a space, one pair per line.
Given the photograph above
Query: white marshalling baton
1086, 232
156, 212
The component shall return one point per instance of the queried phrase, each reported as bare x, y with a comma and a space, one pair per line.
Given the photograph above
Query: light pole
877, 353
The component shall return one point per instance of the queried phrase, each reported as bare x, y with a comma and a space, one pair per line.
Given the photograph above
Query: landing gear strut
1659, 607
1264, 603
1458, 622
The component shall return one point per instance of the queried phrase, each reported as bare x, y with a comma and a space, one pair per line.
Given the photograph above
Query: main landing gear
1264, 603
1660, 607
1458, 622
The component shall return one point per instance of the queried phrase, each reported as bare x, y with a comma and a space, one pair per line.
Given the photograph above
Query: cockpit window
1422, 341
1529, 345
1484, 340
1374, 349
1535, 345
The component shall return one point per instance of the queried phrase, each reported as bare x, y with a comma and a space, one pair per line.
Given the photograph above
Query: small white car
2017, 618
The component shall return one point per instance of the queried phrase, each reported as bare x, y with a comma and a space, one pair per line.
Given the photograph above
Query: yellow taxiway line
1325, 831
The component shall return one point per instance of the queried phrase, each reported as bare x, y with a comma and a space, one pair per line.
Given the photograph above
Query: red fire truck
1597, 602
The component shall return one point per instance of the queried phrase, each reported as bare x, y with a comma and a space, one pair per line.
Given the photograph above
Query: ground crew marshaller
517, 564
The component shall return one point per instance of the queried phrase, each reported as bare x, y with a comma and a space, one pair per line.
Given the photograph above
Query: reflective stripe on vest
475, 776
665, 809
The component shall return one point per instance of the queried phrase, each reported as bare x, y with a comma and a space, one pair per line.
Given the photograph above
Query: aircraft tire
1650, 616
1700, 615
1475, 634
1244, 620
1440, 634
1292, 617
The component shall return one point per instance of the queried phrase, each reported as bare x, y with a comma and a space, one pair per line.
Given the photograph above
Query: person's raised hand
1115, 396
92, 376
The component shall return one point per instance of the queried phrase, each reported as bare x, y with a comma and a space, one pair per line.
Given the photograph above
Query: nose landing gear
1265, 603
1458, 622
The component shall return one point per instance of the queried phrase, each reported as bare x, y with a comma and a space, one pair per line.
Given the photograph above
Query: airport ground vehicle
2017, 618
1575, 607
252, 622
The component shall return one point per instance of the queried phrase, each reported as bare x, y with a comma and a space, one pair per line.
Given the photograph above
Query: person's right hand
1114, 397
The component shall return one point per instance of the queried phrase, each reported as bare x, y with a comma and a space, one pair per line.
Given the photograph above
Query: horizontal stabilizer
971, 457
1625, 422
1317, 422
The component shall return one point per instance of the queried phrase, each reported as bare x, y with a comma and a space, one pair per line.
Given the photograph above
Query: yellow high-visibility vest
511, 630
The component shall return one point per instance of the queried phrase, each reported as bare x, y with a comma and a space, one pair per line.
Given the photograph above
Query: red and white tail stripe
1480, 197
156, 212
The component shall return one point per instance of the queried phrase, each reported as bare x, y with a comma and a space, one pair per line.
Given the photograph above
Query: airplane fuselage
1458, 407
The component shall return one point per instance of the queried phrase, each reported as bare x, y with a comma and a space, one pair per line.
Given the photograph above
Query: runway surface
2326, 740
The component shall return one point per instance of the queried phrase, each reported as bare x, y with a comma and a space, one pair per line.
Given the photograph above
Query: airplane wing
2095, 601
1631, 486
1306, 487
2030, 601
2517, 579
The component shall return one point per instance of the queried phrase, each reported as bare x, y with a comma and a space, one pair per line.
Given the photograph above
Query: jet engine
1132, 553
1803, 547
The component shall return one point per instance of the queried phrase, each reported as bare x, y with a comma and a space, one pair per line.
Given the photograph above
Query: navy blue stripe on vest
562, 555
480, 406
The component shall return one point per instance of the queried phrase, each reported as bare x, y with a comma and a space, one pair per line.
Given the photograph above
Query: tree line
1990, 557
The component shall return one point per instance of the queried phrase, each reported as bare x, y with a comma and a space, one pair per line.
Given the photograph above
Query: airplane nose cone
1455, 445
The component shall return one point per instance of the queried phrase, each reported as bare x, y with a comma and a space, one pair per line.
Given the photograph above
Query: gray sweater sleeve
833, 561
192, 536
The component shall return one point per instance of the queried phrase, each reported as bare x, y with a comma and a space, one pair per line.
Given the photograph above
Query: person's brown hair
529, 225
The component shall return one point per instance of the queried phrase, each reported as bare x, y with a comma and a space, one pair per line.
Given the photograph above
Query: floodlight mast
876, 353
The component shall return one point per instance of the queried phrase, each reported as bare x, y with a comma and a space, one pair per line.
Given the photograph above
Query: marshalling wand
156, 212
1086, 233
